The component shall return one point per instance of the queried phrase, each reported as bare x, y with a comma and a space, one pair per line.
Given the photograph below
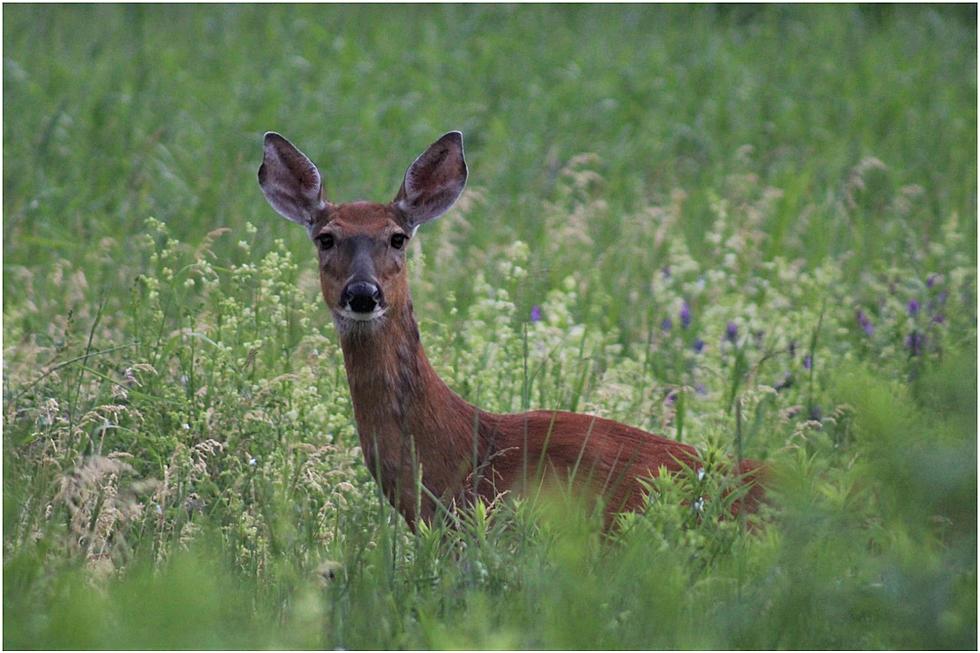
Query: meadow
752, 229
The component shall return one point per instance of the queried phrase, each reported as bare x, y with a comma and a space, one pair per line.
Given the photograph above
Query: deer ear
290, 181
434, 181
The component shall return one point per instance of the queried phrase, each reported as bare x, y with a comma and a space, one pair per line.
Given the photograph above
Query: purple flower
931, 280
731, 331
938, 319
915, 342
699, 345
535, 313
913, 307
700, 389
865, 323
807, 361
685, 315
672, 397
665, 271
666, 324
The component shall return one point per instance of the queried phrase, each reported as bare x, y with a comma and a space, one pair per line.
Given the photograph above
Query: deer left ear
434, 181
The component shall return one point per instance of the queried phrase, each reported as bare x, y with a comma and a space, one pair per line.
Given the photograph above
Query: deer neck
401, 405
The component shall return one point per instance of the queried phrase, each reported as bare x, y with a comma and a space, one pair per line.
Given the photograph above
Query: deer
427, 447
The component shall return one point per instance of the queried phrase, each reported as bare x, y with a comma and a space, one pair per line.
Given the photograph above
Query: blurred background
671, 210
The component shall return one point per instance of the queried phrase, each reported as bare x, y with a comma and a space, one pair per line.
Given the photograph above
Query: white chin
360, 317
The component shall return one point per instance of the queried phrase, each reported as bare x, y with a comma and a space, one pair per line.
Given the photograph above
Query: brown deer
425, 445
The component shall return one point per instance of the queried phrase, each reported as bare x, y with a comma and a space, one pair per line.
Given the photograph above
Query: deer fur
424, 444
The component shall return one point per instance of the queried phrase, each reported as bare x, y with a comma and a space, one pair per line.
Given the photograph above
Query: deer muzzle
361, 298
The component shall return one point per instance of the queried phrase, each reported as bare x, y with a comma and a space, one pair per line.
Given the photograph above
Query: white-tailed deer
424, 444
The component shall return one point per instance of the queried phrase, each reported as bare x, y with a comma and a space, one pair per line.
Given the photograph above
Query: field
750, 229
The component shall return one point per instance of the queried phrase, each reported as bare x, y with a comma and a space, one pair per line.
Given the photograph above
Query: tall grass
751, 229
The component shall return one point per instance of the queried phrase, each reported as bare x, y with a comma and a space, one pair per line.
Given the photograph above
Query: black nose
361, 296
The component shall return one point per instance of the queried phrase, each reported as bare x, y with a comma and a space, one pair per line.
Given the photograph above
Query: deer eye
398, 241
325, 241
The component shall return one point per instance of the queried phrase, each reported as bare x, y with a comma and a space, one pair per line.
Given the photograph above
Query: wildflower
792, 349
807, 362
938, 319
665, 271
865, 323
915, 342
672, 397
913, 307
931, 280
699, 345
731, 332
252, 462
701, 473
685, 315
787, 382
666, 324
699, 505
535, 313
700, 389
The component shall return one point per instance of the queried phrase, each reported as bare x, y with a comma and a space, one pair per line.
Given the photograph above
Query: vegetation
752, 229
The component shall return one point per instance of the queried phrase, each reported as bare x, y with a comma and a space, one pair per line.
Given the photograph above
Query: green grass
180, 463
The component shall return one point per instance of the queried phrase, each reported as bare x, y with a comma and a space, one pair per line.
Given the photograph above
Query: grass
752, 229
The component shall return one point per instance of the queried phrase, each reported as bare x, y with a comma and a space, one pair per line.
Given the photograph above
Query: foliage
750, 229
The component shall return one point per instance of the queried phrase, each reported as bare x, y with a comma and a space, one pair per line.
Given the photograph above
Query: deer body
406, 414
415, 432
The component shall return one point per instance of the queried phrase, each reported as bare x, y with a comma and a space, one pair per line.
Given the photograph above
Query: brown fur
414, 430
406, 414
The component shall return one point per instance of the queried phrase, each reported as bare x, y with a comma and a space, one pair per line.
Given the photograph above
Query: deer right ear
290, 181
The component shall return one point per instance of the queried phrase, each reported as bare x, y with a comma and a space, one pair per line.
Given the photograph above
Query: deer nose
361, 296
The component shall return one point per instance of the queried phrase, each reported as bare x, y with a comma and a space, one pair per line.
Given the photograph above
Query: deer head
361, 245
